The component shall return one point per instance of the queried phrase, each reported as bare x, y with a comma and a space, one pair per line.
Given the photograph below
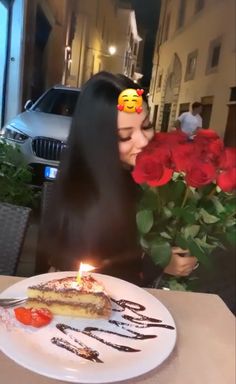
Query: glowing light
112, 50
82, 269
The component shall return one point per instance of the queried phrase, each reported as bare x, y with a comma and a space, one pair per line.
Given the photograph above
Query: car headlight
11, 133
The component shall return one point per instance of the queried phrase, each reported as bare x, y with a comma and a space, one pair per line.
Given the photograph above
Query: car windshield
58, 102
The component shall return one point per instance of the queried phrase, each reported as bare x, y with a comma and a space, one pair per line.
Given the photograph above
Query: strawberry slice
34, 317
40, 317
23, 315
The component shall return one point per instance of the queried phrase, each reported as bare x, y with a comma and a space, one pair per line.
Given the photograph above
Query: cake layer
69, 296
64, 309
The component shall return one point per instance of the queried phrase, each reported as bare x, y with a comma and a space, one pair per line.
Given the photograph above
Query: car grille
49, 149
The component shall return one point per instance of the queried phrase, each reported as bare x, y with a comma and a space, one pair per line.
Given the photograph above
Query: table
204, 353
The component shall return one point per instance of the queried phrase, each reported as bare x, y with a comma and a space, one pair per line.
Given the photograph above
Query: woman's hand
180, 265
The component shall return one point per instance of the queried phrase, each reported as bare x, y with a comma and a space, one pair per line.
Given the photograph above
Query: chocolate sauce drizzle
84, 352
139, 321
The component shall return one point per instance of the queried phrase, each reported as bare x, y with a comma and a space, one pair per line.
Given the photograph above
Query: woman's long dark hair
92, 216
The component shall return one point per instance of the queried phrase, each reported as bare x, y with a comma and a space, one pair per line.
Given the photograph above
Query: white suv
41, 131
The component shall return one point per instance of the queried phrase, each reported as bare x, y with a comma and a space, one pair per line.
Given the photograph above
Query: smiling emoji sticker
130, 100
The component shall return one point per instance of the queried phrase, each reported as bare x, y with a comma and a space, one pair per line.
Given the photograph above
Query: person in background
190, 122
92, 217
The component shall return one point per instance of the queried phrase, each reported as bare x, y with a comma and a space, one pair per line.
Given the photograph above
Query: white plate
32, 348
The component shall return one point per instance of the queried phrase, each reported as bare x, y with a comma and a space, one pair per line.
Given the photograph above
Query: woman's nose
141, 140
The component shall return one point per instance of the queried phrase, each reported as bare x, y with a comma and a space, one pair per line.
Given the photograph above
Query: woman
92, 217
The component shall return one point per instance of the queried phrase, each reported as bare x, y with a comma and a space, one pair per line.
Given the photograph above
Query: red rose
160, 138
150, 170
215, 150
200, 174
182, 156
227, 180
170, 139
203, 139
177, 137
208, 134
228, 158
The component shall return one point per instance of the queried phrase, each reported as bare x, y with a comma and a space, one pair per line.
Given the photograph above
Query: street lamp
112, 50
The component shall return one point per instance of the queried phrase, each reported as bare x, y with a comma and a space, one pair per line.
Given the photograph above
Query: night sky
147, 16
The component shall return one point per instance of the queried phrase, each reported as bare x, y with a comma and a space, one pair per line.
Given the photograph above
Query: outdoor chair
13, 225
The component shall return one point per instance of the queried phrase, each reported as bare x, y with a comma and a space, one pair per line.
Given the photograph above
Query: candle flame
83, 268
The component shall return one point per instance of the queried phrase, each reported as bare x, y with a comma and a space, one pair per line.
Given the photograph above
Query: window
103, 27
199, 5
129, 30
100, 66
181, 15
207, 103
154, 118
213, 55
166, 28
131, 42
184, 107
159, 81
132, 70
232, 94
191, 66
57, 101
165, 117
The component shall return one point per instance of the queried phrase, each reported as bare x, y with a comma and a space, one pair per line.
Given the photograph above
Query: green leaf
198, 252
207, 217
204, 245
181, 242
149, 200
144, 220
218, 206
191, 231
230, 222
144, 243
161, 253
167, 212
165, 235
187, 214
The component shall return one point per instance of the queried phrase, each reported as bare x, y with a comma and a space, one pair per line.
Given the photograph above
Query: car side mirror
28, 104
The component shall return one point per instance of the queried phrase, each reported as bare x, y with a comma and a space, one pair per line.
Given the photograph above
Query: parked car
41, 131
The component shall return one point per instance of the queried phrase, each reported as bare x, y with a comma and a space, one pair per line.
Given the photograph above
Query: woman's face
134, 133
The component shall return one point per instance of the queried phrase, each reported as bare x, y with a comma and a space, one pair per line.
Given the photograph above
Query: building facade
194, 60
105, 38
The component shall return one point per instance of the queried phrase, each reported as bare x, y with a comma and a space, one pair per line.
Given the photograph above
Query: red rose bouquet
188, 195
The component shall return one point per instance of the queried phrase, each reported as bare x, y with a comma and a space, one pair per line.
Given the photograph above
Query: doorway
42, 32
207, 103
154, 119
165, 117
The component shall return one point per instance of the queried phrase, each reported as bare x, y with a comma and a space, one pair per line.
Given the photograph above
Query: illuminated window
191, 66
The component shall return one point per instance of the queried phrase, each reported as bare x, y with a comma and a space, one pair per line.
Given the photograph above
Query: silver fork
11, 302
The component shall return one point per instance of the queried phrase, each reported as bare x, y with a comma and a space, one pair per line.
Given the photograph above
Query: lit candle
83, 268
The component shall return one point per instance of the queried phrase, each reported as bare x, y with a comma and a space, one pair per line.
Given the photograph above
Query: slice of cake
67, 297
